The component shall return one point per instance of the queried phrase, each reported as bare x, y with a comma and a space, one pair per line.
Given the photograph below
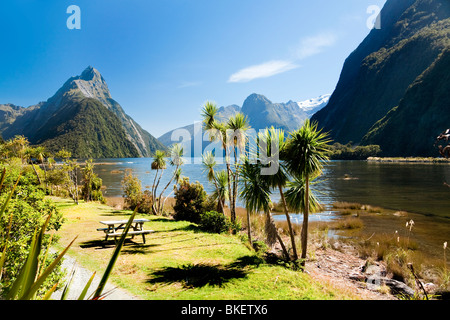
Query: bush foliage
215, 222
191, 201
348, 152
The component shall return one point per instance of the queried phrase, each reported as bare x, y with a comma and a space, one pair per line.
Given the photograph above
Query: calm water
410, 187
416, 188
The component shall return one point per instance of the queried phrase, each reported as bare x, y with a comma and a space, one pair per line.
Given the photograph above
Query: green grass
180, 262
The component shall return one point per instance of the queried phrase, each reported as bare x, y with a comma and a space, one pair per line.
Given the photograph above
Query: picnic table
114, 227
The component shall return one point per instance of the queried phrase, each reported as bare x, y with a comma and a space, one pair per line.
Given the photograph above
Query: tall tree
209, 162
158, 164
232, 136
70, 169
237, 126
176, 160
305, 152
256, 194
271, 141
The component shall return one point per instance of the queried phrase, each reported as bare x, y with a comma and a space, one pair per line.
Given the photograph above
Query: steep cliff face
378, 74
411, 128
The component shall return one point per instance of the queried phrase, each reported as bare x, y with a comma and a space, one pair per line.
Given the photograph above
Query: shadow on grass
130, 246
199, 275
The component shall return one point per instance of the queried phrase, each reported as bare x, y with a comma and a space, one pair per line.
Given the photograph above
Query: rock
398, 287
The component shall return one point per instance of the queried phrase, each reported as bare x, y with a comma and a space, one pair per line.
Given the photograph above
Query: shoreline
408, 159
334, 251
338, 265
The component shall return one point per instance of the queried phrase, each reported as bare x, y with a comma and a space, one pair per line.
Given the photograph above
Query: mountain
312, 106
392, 89
88, 130
261, 113
34, 122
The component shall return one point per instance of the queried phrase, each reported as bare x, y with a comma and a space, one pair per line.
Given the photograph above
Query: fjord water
417, 188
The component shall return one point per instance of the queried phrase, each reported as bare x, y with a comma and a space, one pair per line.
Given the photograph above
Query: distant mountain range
394, 89
82, 118
261, 113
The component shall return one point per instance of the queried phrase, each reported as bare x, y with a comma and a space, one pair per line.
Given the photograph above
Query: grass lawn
179, 262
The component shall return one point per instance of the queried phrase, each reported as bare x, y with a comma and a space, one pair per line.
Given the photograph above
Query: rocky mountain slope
263, 113
34, 122
377, 99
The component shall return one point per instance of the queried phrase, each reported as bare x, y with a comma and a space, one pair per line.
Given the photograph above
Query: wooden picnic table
114, 226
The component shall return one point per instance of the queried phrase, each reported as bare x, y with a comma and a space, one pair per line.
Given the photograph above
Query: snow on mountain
314, 104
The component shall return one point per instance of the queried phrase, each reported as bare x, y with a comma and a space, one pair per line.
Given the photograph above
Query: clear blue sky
162, 59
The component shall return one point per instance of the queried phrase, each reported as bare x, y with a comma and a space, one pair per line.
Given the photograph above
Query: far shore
408, 159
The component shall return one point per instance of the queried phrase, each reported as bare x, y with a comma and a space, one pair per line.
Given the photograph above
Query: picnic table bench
114, 228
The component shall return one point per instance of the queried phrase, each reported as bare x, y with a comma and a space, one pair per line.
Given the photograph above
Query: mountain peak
93, 85
90, 74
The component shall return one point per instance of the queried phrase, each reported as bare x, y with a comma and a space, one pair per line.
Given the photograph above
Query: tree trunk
37, 175
249, 227
288, 218
249, 231
272, 234
161, 203
221, 201
232, 211
304, 234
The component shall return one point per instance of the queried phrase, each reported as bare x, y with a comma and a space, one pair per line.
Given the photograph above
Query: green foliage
215, 222
92, 184
32, 277
15, 168
190, 201
134, 197
146, 202
132, 189
87, 129
24, 214
348, 152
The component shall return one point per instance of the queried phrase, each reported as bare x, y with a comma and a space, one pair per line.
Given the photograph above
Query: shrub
92, 184
349, 152
190, 201
213, 221
24, 214
146, 202
132, 189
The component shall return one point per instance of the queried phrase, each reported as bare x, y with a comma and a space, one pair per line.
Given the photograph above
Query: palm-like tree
304, 154
176, 160
295, 196
41, 155
255, 191
237, 126
158, 164
209, 162
273, 141
231, 143
221, 192
20, 145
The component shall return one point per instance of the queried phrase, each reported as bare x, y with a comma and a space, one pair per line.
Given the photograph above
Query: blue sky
162, 59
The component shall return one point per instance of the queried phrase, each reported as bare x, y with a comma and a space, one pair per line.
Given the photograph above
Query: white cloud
308, 47
264, 70
314, 45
